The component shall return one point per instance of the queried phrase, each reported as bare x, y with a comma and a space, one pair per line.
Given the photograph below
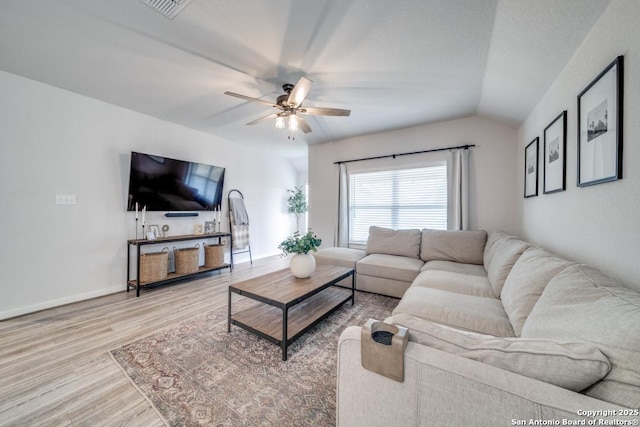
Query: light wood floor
55, 369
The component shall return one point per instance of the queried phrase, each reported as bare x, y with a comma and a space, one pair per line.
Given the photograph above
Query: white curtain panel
342, 231
458, 189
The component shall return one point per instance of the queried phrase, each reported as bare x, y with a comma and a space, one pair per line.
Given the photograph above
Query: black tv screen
164, 184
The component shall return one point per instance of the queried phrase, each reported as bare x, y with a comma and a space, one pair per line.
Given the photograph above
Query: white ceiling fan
289, 105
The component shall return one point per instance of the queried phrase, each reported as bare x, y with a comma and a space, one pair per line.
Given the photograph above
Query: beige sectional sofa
501, 333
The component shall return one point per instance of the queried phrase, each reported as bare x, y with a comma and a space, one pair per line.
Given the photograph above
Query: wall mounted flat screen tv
164, 184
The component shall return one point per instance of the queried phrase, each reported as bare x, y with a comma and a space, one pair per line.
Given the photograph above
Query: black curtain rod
406, 154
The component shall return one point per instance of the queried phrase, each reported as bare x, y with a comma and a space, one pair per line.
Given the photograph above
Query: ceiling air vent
168, 8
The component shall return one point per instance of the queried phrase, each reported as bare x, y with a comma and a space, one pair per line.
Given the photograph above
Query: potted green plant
296, 204
303, 264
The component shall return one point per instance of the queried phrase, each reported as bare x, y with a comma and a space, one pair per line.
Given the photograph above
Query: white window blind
398, 199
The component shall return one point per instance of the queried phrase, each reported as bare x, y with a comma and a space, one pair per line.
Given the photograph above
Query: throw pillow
571, 365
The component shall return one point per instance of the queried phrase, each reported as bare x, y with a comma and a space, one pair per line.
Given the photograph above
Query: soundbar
180, 214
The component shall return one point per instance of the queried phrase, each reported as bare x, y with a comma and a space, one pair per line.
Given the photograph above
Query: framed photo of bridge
554, 164
600, 127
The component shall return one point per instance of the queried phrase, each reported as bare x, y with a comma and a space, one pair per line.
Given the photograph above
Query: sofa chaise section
524, 335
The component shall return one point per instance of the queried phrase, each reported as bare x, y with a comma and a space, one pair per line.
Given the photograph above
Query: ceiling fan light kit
293, 123
290, 106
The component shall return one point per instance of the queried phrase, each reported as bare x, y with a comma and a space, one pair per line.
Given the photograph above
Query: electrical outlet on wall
65, 199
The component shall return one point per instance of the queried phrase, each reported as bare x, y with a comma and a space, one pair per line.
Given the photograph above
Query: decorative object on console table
187, 259
154, 232
554, 165
531, 169
209, 227
144, 211
165, 229
214, 254
154, 266
303, 264
600, 127
198, 229
136, 220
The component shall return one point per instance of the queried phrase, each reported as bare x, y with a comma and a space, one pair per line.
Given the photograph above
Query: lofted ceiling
394, 64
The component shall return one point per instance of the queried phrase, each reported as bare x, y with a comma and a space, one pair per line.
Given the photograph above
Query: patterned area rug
195, 373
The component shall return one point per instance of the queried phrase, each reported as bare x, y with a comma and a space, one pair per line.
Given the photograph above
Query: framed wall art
600, 127
531, 169
554, 164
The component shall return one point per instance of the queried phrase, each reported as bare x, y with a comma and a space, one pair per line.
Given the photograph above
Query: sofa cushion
476, 314
390, 267
583, 304
459, 246
574, 366
490, 246
467, 284
456, 267
504, 254
344, 257
394, 242
381, 285
525, 283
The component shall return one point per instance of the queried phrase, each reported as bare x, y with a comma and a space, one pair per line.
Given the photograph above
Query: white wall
56, 142
492, 186
599, 224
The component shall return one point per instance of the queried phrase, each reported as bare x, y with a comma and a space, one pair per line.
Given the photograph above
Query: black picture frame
600, 119
531, 168
554, 165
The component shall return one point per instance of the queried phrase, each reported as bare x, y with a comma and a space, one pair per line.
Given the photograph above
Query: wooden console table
171, 277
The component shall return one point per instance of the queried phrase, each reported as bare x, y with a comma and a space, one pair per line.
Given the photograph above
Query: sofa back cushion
500, 255
525, 283
490, 245
574, 366
581, 303
458, 246
394, 242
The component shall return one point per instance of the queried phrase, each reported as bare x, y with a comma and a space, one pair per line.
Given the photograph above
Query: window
399, 199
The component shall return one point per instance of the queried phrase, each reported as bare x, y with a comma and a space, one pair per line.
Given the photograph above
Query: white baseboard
94, 294
58, 302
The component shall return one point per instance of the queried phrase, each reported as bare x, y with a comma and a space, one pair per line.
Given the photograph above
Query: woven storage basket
214, 255
187, 260
153, 266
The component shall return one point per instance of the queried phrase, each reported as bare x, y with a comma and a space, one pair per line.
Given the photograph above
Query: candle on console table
136, 210
144, 210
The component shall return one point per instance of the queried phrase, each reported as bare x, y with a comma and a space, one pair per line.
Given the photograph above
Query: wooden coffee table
290, 306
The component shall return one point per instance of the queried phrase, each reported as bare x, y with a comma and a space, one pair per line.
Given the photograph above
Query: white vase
302, 265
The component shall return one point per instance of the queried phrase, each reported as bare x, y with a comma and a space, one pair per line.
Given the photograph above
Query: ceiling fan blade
248, 98
299, 92
256, 121
316, 111
303, 125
